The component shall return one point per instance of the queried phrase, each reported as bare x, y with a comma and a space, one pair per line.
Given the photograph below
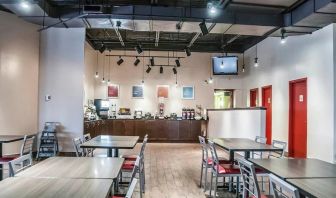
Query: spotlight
120, 61
137, 61
177, 61
138, 49
102, 48
24, 5
152, 61
212, 8
97, 75
204, 28
256, 64
174, 70
187, 51
210, 80
161, 70
148, 69
118, 24
103, 81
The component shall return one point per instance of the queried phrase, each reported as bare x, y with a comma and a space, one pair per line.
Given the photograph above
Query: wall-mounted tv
225, 65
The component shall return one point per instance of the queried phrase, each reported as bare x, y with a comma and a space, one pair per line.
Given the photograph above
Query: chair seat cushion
130, 157
117, 197
221, 161
6, 159
128, 165
227, 169
260, 171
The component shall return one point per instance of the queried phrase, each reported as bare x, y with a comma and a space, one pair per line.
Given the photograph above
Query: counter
157, 130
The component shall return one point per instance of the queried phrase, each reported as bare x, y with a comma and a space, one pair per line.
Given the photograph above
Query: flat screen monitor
225, 65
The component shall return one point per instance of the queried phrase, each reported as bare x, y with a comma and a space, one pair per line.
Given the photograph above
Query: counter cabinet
157, 130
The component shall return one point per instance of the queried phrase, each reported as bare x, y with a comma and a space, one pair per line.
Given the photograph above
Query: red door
253, 97
267, 103
298, 118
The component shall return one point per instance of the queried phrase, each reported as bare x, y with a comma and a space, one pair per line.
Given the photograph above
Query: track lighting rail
138, 56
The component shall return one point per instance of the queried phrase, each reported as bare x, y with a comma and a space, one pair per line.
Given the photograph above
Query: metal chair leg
202, 166
211, 183
206, 177
216, 182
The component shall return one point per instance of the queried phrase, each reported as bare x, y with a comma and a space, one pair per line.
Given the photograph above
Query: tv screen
225, 65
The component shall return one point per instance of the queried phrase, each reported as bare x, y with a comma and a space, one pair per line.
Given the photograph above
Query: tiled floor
173, 170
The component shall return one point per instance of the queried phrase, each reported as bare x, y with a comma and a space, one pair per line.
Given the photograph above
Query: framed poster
137, 91
113, 91
162, 91
188, 92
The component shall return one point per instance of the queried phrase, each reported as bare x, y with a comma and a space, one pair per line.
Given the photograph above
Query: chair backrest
142, 151
260, 139
281, 145
136, 167
27, 145
79, 151
131, 188
19, 164
282, 189
86, 137
215, 161
204, 148
250, 182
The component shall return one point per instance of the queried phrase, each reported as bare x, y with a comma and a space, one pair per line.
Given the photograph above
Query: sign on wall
137, 91
113, 91
162, 91
188, 92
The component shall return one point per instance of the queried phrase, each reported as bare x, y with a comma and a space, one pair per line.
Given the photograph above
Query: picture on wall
162, 91
113, 91
137, 91
188, 92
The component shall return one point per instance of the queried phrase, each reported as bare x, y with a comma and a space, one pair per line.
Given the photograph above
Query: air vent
95, 9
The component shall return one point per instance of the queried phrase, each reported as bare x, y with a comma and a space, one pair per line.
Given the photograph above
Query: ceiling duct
93, 9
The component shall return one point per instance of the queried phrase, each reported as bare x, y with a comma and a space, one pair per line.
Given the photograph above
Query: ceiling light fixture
136, 62
212, 8
138, 49
25, 4
102, 48
174, 70
148, 69
243, 66
204, 28
161, 70
152, 61
210, 81
283, 38
103, 81
97, 66
187, 51
120, 61
256, 64
177, 61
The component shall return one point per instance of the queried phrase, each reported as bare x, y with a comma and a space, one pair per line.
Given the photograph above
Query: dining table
111, 143
315, 187
5, 139
244, 145
75, 168
296, 168
30, 187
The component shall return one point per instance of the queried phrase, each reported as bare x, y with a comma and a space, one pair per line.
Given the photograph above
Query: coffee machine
102, 108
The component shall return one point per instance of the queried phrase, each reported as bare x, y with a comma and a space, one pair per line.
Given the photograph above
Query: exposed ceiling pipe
47, 27
230, 41
116, 29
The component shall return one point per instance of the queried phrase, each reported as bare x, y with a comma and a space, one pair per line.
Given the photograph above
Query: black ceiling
239, 24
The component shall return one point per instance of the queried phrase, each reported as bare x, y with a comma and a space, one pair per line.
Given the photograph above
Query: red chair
222, 170
134, 168
207, 162
250, 182
26, 148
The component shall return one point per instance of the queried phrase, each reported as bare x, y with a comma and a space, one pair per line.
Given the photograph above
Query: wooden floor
173, 170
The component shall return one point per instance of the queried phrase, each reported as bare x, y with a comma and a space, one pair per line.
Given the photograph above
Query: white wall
19, 52
310, 56
194, 70
89, 82
242, 123
61, 76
